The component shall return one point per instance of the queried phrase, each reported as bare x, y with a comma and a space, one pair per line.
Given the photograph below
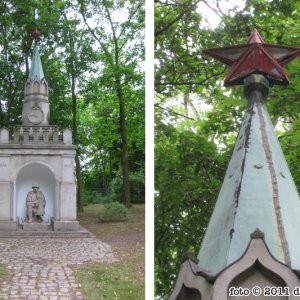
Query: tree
188, 171
179, 41
79, 53
122, 51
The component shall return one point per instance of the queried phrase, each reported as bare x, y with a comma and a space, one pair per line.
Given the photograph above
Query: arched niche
257, 275
36, 87
188, 294
42, 175
190, 285
28, 88
44, 88
257, 267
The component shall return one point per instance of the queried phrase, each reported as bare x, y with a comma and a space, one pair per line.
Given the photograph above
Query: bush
92, 197
113, 211
137, 187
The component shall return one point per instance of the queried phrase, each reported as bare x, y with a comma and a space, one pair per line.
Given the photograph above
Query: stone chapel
37, 152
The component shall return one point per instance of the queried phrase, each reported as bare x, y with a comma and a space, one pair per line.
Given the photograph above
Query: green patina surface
36, 71
248, 197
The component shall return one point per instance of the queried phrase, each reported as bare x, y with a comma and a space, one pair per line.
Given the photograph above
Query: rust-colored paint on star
255, 57
255, 37
36, 35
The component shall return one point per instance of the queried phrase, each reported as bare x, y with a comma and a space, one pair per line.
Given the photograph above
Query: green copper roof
36, 70
258, 192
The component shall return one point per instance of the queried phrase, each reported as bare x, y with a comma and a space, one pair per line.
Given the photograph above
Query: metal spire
36, 70
36, 110
258, 190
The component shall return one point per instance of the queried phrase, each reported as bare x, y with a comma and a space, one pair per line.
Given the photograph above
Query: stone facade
43, 158
36, 152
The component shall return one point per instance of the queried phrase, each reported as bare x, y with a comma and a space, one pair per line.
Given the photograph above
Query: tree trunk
120, 95
79, 193
119, 91
75, 138
125, 169
10, 101
102, 171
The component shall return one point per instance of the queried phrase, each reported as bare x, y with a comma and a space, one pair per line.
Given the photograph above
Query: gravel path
40, 268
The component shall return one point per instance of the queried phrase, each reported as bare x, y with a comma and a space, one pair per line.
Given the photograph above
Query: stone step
21, 233
36, 227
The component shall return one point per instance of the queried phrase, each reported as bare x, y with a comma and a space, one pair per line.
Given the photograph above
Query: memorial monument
251, 247
35, 202
36, 152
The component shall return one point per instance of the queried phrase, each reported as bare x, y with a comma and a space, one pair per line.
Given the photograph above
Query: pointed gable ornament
252, 239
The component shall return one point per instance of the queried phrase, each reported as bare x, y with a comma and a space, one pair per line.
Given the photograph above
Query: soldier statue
35, 203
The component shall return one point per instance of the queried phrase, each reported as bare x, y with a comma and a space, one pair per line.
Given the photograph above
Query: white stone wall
52, 168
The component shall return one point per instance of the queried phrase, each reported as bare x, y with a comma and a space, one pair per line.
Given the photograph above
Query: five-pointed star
255, 57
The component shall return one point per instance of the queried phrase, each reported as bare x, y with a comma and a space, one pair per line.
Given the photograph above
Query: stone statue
35, 203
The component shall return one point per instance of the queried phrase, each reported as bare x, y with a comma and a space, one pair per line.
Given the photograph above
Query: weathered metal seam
238, 189
276, 204
247, 137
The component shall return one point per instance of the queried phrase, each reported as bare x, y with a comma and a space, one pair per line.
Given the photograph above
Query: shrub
114, 211
94, 197
137, 187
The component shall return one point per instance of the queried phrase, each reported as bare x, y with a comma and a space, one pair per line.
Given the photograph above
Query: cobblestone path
40, 268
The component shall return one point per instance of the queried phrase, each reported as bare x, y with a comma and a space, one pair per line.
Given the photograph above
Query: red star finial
255, 57
36, 35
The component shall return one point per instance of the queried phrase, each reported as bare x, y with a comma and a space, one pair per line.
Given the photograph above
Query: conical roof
258, 192
36, 70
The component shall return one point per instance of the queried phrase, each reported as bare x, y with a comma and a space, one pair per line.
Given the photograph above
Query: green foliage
113, 211
93, 197
192, 147
113, 102
137, 185
188, 173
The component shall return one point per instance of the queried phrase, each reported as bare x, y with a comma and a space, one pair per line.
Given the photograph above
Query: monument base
65, 225
36, 227
8, 225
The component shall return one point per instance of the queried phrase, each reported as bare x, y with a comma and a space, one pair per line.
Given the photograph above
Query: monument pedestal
8, 225
36, 227
65, 225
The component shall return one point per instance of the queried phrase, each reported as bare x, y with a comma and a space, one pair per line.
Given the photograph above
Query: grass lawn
2, 275
2, 271
123, 279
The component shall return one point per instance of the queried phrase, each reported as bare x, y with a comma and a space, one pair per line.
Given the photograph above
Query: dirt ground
127, 238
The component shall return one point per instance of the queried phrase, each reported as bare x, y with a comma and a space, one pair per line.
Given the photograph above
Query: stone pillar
67, 195
4, 200
67, 136
6, 195
4, 136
